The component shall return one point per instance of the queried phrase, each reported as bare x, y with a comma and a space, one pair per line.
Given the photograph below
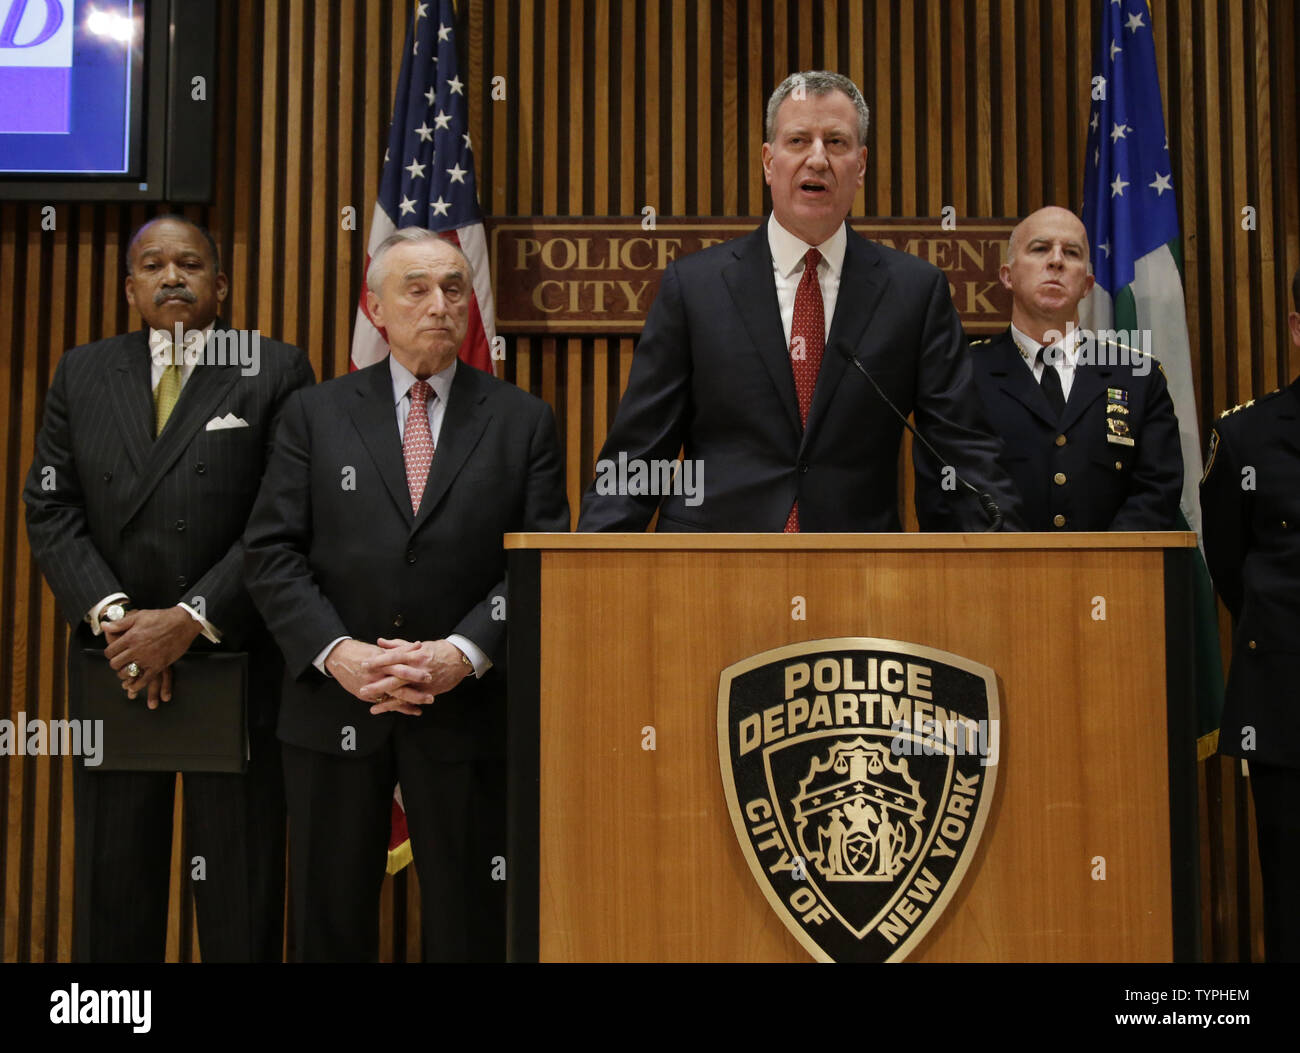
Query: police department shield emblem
859, 774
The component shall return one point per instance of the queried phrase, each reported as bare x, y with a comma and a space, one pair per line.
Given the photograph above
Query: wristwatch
115, 612
465, 658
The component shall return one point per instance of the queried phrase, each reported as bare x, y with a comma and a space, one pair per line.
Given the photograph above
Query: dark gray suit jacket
333, 549
712, 375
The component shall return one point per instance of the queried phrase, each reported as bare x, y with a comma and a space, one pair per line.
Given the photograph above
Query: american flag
428, 178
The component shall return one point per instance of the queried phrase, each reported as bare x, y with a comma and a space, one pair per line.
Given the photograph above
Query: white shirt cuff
482, 663
319, 660
92, 615
209, 630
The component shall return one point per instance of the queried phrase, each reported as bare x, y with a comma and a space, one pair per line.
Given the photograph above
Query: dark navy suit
712, 376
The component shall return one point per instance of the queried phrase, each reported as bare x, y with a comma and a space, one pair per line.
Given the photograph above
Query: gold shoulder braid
1209, 454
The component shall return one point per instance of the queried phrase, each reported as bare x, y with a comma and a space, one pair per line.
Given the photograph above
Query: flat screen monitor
88, 106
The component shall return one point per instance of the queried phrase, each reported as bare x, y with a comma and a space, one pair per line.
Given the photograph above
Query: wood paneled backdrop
611, 106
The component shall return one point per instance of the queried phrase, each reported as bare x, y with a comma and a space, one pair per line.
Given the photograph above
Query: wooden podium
620, 852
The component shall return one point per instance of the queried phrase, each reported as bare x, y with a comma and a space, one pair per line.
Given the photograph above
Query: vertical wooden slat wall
611, 108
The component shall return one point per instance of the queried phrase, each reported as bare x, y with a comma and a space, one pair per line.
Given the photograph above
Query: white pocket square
228, 421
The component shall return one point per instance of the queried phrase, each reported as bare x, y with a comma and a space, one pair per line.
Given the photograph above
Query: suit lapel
202, 393
862, 284
1016, 381
753, 291
463, 422
130, 395
374, 415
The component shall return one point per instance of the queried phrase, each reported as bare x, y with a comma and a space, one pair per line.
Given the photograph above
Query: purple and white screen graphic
65, 85
35, 66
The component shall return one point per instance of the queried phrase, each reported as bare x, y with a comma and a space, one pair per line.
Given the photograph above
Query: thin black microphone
986, 501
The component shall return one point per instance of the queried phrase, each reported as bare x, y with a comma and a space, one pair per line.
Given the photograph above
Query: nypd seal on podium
859, 774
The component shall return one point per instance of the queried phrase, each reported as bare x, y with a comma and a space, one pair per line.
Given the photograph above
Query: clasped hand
397, 675
153, 640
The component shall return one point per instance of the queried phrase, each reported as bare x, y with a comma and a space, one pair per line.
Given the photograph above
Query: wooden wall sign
584, 275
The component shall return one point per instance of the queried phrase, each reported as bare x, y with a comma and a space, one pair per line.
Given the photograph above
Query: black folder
203, 728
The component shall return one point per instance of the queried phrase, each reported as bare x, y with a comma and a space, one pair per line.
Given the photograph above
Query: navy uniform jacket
1112, 462
1250, 510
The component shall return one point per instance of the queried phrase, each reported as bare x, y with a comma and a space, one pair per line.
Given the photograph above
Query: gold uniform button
1059, 478
1284, 524
1119, 466
1059, 520
1251, 645
1060, 440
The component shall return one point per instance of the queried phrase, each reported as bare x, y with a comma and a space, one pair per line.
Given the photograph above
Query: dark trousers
340, 810
1277, 827
234, 826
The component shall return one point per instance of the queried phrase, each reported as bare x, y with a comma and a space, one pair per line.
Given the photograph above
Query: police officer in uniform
1091, 439
1250, 504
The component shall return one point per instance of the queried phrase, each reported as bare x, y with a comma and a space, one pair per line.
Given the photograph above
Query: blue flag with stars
1128, 193
1131, 216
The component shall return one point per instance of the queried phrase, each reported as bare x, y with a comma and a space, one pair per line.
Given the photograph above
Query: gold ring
132, 670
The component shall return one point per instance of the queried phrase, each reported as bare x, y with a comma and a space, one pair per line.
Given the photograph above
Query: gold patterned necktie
165, 396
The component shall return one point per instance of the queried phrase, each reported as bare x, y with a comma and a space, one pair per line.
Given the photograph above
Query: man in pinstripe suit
146, 466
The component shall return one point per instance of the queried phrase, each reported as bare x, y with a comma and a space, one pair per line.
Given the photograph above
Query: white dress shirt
787, 267
1066, 361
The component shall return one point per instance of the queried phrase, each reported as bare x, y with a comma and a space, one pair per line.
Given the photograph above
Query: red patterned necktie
417, 442
807, 340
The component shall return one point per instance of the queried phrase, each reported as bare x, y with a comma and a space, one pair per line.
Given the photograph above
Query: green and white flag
1132, 222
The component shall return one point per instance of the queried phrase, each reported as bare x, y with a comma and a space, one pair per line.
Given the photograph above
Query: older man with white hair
374, 553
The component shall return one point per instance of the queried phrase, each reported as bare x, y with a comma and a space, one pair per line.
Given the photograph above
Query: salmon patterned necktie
417, 442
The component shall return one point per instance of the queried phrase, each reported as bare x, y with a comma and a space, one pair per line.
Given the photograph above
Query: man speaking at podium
744, 361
